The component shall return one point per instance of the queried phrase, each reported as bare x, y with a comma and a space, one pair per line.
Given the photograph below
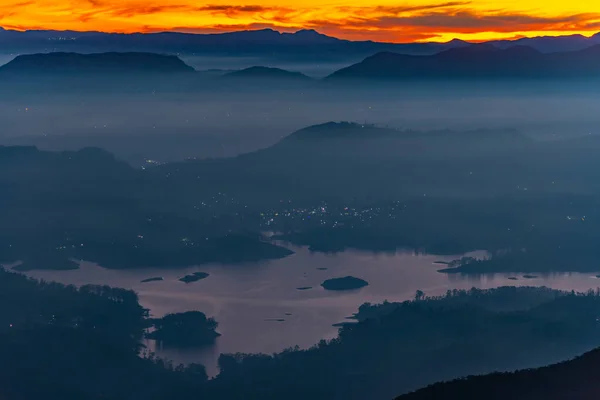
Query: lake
248, 299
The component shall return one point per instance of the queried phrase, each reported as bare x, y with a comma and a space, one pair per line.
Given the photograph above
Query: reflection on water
249, 300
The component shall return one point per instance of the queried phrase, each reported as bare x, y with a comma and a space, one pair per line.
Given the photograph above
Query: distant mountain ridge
252, 42
477, 61
258, 42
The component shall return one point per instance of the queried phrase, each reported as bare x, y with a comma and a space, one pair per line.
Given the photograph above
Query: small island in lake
155, 279
190, 328
196, 276
345, 283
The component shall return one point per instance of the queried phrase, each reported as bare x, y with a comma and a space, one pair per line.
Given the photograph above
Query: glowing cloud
360, 19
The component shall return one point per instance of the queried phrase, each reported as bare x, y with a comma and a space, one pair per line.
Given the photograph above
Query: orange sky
383, 20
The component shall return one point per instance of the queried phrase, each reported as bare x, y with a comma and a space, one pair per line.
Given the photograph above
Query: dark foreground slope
577, 379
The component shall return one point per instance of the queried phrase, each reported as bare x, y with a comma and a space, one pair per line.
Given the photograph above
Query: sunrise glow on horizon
380, 20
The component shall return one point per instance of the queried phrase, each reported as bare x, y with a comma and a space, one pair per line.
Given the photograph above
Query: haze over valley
173, 113
265, 215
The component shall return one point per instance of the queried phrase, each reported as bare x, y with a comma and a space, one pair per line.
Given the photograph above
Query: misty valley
354, 220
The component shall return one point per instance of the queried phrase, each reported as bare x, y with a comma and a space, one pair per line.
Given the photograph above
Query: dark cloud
426, 7
231, 11
367, 13
128, 12
104, 10
469, 21
270, 15
232, 8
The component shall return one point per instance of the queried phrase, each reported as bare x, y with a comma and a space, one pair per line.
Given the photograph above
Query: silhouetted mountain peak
266, 33
270, 36
331, 130
458, 42
308, 33
313, 35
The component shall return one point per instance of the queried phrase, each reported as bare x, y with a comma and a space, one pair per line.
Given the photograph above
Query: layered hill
485, 61
263, 78
340, 160
88, 205
58, 63
113, 72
